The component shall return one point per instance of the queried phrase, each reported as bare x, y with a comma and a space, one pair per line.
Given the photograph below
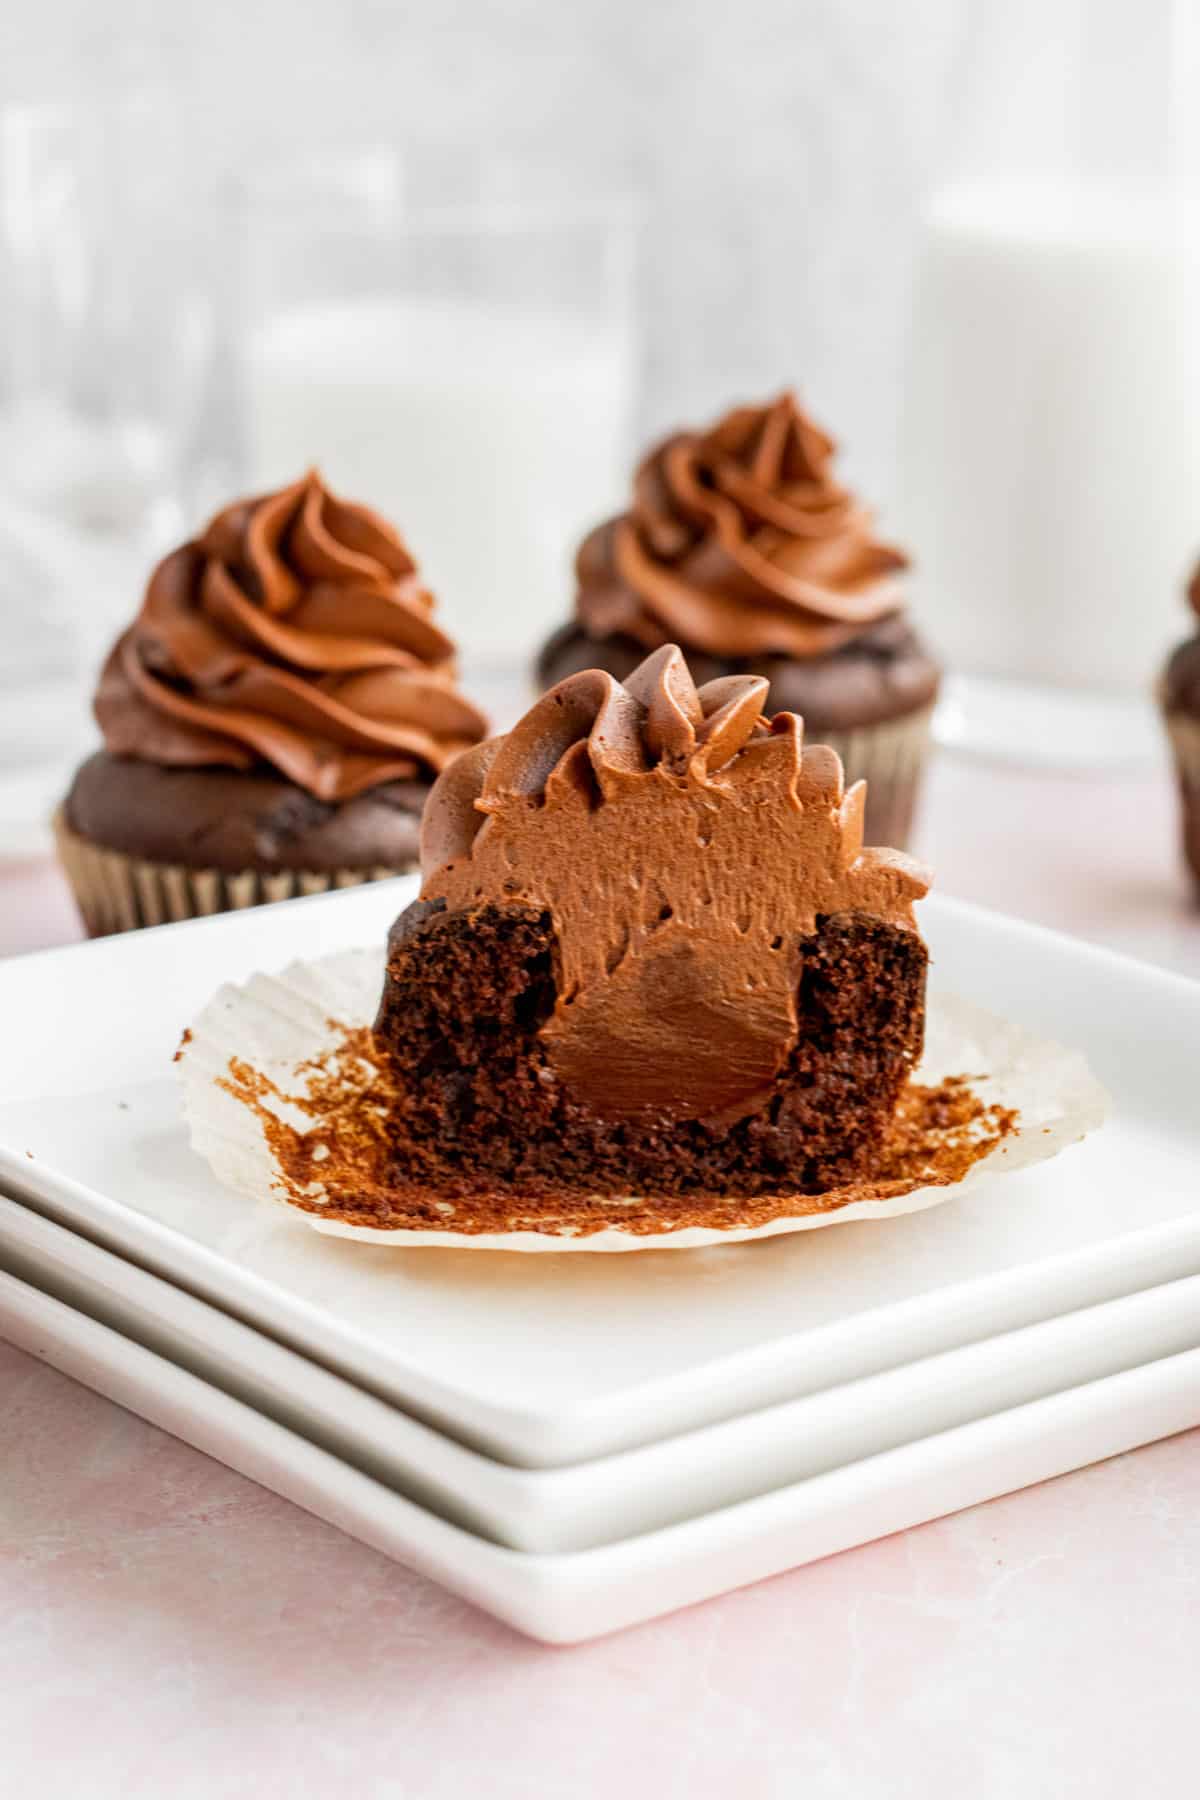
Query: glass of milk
1050, 443
460, 357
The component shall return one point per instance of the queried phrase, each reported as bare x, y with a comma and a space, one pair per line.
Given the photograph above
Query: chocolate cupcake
273, 719
1181, 704
740, 547
650, 956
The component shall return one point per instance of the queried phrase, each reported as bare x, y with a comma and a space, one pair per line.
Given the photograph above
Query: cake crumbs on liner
339, 1166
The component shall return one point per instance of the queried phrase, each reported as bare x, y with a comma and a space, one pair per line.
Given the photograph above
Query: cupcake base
302, 1039
144, 845
465, 1001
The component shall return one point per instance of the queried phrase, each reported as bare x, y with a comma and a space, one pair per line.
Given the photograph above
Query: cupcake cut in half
273, 719
650, 955
741, 547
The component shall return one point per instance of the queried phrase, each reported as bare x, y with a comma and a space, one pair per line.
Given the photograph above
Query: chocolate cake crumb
479, 1105
383, 1146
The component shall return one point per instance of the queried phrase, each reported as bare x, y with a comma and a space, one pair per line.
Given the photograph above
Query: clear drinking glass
1050, 446
458, 354
107, 326
106, 330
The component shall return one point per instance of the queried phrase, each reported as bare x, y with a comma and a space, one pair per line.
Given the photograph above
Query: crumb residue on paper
339, 1163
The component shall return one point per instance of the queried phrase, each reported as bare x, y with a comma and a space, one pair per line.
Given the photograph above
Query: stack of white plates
578, 1442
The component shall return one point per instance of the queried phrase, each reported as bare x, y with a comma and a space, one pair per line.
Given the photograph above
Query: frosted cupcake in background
273, 719
740, 546
1181, 702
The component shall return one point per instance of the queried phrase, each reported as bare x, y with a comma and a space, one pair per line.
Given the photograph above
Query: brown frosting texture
739, 543
294, 632
683, 847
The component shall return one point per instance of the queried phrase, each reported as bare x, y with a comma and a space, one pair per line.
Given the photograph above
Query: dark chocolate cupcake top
293, 634
683, 847
740, 543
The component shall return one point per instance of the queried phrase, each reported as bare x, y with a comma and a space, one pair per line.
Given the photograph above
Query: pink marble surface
170, 1629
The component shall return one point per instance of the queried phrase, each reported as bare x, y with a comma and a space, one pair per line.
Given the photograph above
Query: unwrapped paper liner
115, 892
274, 1023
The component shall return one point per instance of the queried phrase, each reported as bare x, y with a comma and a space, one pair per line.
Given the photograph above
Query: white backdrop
779, 148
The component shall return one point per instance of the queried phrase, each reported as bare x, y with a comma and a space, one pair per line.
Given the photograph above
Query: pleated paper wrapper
115, 892
273, 1024
890, 758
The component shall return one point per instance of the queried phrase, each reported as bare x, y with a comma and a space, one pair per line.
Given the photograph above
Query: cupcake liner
890, 758
1184, 733
117, 892
274, 1025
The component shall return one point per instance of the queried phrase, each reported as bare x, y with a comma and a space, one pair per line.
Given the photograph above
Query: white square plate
612, 1497
564, 1599
543, 1361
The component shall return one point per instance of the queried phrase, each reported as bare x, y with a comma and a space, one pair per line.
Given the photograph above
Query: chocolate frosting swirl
684, 848
293, 632
740, 543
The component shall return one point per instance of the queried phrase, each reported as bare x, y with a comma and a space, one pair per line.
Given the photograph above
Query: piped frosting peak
293, 632
739, 542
